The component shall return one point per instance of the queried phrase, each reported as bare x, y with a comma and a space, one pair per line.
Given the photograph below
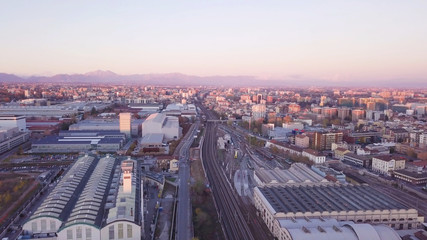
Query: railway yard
230, 174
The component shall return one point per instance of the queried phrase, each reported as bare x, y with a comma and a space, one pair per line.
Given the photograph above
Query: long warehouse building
80, 141
360, 204
96, 199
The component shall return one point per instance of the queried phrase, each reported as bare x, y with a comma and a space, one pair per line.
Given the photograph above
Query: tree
20, 150
274, 149
336, 121
411, 153
7, 197
93, 111
287, 119
255, 130
199, 187
65, 126
325, 122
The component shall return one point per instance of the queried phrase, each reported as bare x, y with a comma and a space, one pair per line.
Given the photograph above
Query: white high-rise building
125, 123
258, 111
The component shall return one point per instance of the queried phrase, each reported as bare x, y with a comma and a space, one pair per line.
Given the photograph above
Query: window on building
34, 226
120, 232
69, 234
43, 225
88, 234
52, 225
79, 233
111, 232
129, 230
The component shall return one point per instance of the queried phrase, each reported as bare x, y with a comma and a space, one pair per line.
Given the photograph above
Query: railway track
239, 220
229, 211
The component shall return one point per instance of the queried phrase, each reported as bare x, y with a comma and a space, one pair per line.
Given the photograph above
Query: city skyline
333, 43
104, 160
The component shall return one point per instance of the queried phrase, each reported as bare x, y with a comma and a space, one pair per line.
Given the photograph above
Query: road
184, 216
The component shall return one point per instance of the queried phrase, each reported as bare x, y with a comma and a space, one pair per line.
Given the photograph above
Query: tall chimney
127, 168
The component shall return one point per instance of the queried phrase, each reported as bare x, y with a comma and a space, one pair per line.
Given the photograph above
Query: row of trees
293, 157
255, 141
10, 191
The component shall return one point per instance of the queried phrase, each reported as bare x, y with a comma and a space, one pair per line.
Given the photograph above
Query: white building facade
160, 123
387, 164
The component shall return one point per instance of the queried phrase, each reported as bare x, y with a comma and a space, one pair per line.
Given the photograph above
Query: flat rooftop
78, 140
329, 198
152, 138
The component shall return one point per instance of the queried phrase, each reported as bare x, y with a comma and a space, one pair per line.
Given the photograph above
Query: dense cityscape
160, 162
213, 120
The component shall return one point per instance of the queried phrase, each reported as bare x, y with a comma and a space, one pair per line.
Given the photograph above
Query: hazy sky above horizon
327, 40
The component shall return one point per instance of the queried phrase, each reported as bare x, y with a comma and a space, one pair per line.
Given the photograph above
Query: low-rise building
416, 178
287, 148
357, 160
314, 156
107, 124
174, 166
154, 143
329, 173
340, 152
293, 125
386, 164
80, 141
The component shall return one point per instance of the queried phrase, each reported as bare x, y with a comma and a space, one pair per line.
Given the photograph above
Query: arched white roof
364, 231
386, 232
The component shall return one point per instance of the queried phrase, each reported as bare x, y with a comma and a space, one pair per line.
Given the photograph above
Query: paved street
183, 220
150, 202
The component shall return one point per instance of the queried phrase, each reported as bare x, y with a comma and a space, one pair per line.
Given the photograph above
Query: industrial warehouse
80, 141
359, 204
96, 199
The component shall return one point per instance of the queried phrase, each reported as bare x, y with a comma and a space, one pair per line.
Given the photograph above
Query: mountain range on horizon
109, 77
